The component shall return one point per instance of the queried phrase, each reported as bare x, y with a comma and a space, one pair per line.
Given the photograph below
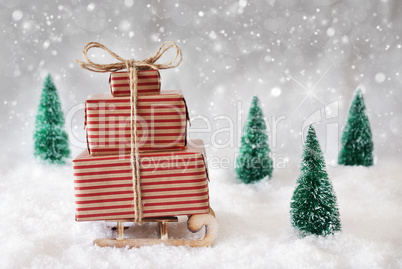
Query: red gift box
172, 184
161, 123
149, 82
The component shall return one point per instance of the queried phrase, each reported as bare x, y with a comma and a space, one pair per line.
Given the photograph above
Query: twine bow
132, 66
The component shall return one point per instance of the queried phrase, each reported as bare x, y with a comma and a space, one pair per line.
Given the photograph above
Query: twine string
148, 63
132, 66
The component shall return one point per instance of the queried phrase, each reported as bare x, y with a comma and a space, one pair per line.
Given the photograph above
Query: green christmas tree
51, 141
357, 144
314, 208
254, 162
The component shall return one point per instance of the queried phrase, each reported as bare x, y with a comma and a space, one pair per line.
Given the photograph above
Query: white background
304, 59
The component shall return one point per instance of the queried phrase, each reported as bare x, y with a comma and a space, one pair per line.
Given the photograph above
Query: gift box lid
109, 96
195, 146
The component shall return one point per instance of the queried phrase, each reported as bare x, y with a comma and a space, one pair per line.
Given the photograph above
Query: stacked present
138, 162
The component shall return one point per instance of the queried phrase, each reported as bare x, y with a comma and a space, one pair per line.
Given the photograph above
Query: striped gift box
161, 123
172, 184
149, 82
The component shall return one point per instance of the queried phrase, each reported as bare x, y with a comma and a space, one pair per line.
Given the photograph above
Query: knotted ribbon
132, 66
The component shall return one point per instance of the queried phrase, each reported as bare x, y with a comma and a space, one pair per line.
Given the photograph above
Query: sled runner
194, 224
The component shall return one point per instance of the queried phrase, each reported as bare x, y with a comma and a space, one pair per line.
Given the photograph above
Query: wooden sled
194, 224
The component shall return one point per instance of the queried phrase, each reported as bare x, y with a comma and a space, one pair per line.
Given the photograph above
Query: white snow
128, 3
91, 6
330, 32
38, 228
17, 15
299, 57
212, 35
276, 91
379, 77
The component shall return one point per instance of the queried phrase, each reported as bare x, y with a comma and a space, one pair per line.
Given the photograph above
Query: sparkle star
308, 90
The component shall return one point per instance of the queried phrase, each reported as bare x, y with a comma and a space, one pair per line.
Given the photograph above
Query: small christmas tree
254, 162
357, 144
313, 207
51, 141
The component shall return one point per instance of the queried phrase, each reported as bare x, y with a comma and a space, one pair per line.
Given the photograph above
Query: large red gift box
149, 82
161, 123
172, 184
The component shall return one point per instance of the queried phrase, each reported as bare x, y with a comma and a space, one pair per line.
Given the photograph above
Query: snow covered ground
304, 60
38, 228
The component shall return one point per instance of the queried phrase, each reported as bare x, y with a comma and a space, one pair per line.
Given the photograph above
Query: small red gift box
161, 123
149, 82
172, 184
